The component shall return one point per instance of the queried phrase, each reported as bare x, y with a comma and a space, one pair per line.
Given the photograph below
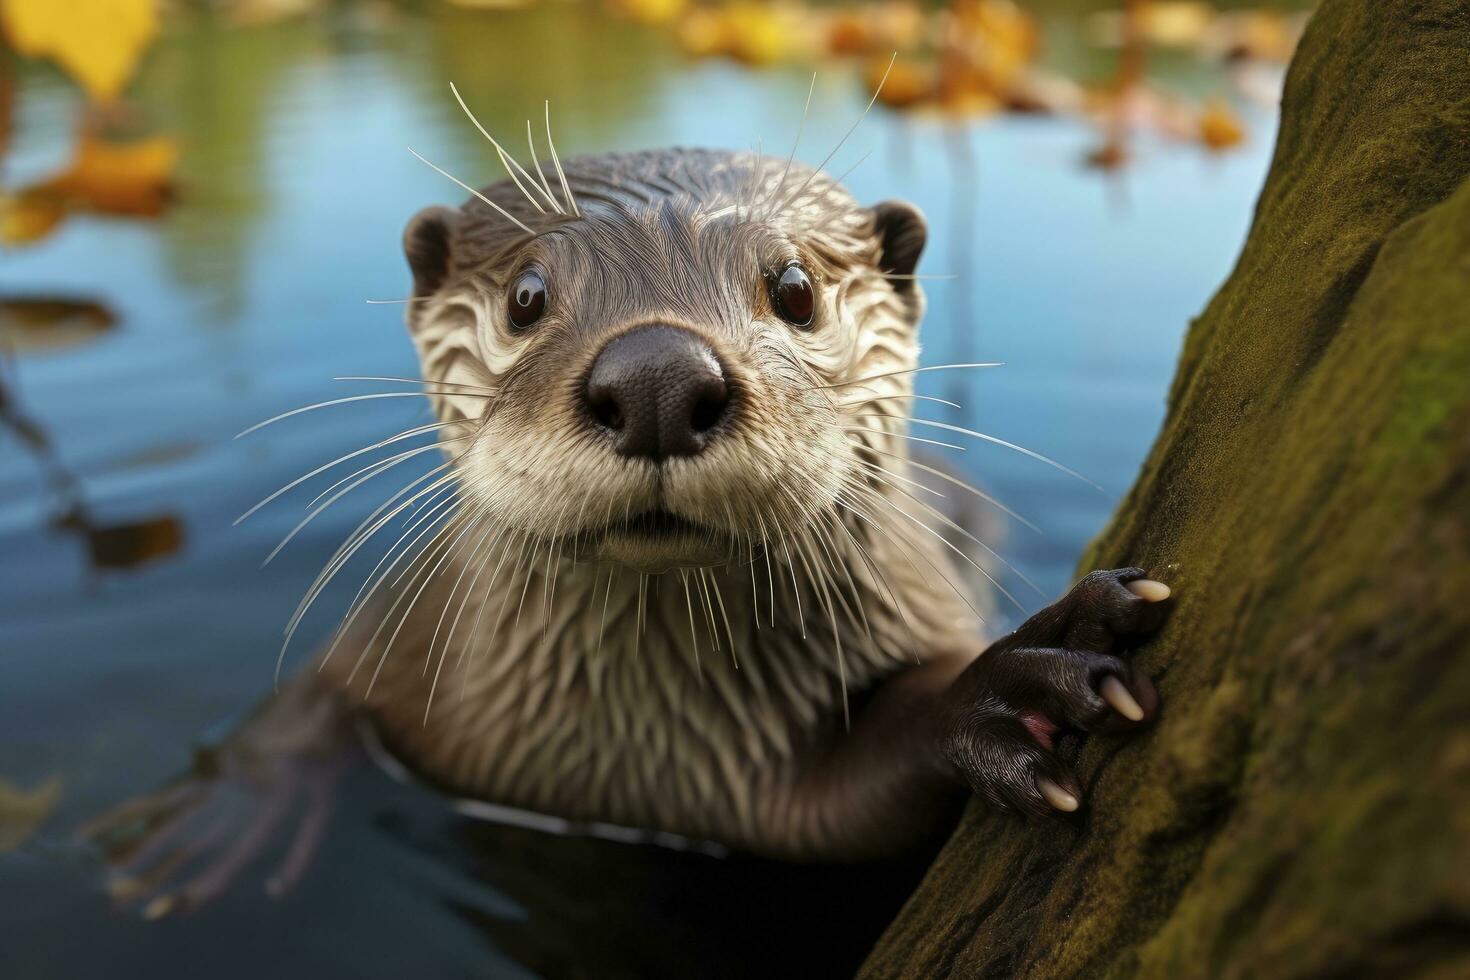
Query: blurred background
197, 200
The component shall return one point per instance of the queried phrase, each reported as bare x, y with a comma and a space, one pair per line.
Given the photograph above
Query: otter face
674, 371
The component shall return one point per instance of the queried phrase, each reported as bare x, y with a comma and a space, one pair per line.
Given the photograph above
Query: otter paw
177, 849
1060, 670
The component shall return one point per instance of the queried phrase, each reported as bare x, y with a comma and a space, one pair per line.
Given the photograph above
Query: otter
675, 571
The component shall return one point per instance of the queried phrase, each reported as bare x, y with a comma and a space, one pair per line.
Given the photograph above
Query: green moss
1303, 807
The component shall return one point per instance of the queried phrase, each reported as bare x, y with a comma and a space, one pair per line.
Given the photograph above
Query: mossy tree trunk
1303, 806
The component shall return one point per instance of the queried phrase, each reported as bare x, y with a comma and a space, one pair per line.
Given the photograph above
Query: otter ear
901, 231
427, 242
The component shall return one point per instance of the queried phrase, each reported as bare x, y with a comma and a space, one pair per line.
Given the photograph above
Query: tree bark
1303, 806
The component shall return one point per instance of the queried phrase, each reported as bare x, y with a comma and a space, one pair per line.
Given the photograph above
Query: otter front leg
1060, 669
182, 846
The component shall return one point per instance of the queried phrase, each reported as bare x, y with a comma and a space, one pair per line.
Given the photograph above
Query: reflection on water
293, 184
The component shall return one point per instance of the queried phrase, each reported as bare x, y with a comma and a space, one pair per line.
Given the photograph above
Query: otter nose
659, 391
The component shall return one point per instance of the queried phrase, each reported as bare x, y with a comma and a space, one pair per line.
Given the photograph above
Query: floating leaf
30, 323
30, 215
135, 543
120, 178
97, 42
126, 179
21, 812
1219, 127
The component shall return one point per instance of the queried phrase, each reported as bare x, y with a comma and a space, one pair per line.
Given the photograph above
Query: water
249, 297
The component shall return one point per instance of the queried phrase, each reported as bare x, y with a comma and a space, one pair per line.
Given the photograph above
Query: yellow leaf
30, 215
1219, 127
120, 178
98, 42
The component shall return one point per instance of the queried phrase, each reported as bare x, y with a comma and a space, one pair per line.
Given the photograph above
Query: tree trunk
1303, 806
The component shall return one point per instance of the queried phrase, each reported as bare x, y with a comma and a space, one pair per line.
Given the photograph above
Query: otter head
675, 371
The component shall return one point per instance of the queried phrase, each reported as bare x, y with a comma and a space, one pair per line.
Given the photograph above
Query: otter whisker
786, 202
444, 654
505, 548
327, 404
865, 430
770, 574
396, 302
524, 552
502, 538
399, 437
708, 609
829, 550
908, 552
536, 166
800, 129
453, 591
642, 613
795, 589
389, 463
443, 552
561, 174
497, 208
359, 481
884, 398
882, 580
914, 483
986, 437
953, 547
729, 633
962, 485
358, 538
961, 530
506, 160
693, 637
918, 370
825, 598
475, 389
419, 562
435, 519
526, 585
606, 595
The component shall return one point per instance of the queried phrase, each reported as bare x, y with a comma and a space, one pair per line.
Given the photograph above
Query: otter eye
527, 299
792, 296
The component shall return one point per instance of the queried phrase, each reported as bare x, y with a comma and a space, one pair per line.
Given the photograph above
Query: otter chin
677, 566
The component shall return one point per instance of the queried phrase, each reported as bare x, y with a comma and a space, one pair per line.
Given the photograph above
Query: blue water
249, 297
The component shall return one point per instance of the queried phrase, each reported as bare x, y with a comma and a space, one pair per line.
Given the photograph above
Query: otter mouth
659, 524
655, 540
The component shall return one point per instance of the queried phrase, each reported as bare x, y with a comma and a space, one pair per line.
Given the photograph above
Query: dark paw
1062, 669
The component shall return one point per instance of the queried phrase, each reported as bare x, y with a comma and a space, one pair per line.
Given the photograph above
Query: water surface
249, 298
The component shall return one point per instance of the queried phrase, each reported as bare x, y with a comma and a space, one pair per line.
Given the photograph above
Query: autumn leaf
124, 179
1219, 127
134, 179
30, 215
97, 42
21, 812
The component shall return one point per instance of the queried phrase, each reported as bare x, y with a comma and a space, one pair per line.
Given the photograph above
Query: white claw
1122, 700
1056, 796
1149, 590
